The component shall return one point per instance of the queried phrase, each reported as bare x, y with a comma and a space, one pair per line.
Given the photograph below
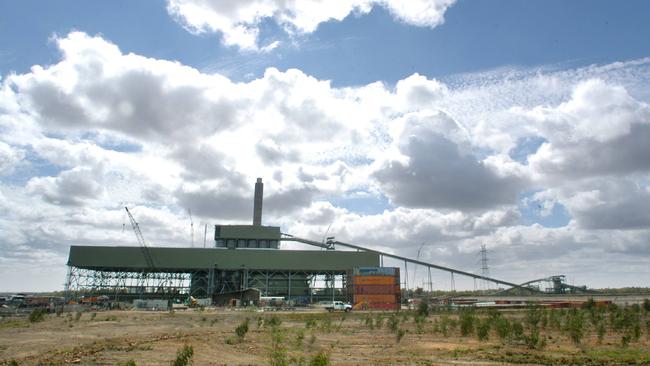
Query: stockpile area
376, 288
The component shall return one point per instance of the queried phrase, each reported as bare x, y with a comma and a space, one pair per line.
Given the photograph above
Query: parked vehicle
339, 306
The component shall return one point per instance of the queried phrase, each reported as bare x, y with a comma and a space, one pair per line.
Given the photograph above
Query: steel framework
298, 286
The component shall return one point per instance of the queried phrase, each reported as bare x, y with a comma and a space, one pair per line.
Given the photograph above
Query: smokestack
257, 202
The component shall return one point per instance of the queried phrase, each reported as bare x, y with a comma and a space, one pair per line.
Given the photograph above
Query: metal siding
131, 258
248, 232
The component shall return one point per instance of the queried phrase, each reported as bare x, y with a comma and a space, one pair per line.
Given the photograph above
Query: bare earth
153, 338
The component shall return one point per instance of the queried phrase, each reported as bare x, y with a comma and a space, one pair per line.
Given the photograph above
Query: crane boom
143, 244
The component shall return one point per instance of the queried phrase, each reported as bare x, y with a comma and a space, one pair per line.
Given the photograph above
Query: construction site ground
357, 338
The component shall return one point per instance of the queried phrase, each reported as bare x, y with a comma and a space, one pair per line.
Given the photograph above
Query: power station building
243, 257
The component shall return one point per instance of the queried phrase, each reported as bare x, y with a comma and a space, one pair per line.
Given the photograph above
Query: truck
338, 306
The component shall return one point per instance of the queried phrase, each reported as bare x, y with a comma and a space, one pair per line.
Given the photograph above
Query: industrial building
242, 257
246, 260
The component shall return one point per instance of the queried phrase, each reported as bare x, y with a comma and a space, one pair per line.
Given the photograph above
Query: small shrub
77, 316
393, 323
312, 340
129, 363
242, 329
399, 334
278, 354
184, 356
532, 340
311, 323
300, 337
646, 305
379, 322
503, 328
483, 330
37, 315
423, 309
600, 331
575, 324
419, 324
274, 321
466, 322
320, 359
326, 325
533, 316
554, 319
636, 332
93, 316
369, 323
298, 360
625, 340
517, 330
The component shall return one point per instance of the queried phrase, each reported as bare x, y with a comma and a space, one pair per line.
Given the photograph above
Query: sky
423, 128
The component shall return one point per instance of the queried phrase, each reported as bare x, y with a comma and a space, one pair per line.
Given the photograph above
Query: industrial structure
244, 259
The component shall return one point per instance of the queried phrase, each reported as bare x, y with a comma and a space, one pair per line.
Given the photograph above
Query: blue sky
519, 124
476, 36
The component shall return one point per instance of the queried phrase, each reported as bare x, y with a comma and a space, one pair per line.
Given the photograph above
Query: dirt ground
153, 338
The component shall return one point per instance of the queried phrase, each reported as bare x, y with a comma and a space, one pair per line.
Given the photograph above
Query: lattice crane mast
143, 244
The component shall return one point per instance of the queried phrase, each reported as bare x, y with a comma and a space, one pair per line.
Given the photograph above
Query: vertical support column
453, 283
406, 276
430, 282
211, 284
289, 290
68, 281
333, 282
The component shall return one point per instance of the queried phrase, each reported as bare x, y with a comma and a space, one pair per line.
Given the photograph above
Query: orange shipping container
375, 298
375, 289
374, 280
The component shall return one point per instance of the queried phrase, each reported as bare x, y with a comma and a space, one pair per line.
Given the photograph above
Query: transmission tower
485, 271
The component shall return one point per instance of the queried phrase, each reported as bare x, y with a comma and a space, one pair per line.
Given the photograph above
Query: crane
143, 244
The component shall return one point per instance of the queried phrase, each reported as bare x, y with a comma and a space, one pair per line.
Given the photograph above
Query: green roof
187, 259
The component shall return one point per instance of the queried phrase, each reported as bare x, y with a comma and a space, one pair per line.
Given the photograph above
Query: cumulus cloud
441, 172
95, 86
601, 130
10, 158
239, 22
440, 151
71, 187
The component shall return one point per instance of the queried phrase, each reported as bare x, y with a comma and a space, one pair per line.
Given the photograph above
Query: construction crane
189, 211
143, 244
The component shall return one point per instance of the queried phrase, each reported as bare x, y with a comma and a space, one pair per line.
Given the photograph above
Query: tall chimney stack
257, 202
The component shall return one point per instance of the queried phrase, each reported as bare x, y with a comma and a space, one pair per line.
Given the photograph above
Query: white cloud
10, 158
239, 22
101, 129
71, 187
440, 170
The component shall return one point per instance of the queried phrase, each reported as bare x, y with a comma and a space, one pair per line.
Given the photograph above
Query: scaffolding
303, 287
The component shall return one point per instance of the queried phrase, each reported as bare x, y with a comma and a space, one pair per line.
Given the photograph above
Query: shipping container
376, 289
376, 271
384, 306
376, 298
375, 280
376, 306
